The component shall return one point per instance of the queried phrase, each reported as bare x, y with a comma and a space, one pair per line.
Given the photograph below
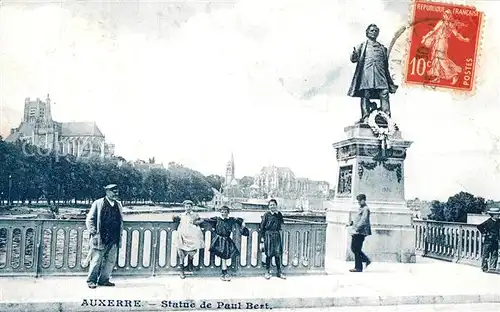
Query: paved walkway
427, 282
475, 307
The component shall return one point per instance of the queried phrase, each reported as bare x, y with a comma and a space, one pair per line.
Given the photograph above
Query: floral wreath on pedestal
383, 134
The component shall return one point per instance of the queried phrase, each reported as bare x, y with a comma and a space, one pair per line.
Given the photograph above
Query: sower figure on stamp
189, 236
360, 229
270, 231
490, 230
372, 79
105, 225
441, 66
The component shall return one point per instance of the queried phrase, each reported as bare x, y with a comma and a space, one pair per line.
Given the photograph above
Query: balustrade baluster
22, 249
141, 245
460, 243
474, 244
128, 249
286, 248
38, 252
478, 244
450, 242
417, 236
480, 239
207, 257
169, 248
155, 239
65, 263
306, 248
8, 247
431, 241
467, 242
53, 247
444, 245
80, 243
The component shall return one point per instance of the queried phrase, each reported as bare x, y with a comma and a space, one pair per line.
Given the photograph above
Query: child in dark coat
270, 231
222, 244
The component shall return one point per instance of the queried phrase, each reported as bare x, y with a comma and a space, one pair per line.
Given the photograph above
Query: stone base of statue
375, 167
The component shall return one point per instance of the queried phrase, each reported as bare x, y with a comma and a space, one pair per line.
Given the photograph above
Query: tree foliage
246, 181
216, 181
36, 173
457, 207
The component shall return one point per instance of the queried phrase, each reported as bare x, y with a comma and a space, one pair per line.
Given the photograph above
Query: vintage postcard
322, 155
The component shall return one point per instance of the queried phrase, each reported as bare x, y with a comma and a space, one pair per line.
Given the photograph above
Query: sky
193, 82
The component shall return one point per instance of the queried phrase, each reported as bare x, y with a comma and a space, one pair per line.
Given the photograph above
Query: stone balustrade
449, 241
58, 247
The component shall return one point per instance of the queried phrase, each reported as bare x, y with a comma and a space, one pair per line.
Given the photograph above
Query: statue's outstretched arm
355, 55
458, 35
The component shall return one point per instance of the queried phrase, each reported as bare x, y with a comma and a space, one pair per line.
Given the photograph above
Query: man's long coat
354, 90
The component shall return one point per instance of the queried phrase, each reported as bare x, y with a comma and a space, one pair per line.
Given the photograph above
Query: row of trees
456, 208
29, 173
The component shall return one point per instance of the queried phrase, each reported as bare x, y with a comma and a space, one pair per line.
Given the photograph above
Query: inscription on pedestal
345, 180
372, 165
368, 150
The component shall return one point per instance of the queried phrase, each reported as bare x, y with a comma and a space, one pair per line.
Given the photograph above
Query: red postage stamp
444, 45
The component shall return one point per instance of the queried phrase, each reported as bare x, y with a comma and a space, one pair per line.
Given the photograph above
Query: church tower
229, 171
38, 112
38, 115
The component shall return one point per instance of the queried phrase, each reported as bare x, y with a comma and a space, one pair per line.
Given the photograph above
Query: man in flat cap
105, 225
490, 232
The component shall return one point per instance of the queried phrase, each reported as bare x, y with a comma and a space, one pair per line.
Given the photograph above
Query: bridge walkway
425, 282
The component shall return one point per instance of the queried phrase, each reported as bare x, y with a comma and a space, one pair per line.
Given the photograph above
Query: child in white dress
189, 236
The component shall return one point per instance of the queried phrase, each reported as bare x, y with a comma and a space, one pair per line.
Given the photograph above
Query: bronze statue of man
372, 79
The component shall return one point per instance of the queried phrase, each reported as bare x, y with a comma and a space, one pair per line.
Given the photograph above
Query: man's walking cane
86, 261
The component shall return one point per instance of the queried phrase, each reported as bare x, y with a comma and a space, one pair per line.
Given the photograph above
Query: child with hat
222, 244
189, 236
490, 231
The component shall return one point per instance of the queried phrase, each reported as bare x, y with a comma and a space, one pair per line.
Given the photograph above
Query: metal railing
456, 242
59, 247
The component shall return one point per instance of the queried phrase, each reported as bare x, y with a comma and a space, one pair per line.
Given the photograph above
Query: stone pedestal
365, 167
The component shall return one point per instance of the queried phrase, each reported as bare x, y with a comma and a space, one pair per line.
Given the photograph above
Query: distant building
273, 182
82, 139
281, 182
230, 178
144, 166
421, 208
475, 218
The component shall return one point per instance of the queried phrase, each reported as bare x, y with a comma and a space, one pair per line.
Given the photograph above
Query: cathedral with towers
81, 139
270, 182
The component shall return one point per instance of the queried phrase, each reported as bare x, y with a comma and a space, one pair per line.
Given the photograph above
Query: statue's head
447, 15
372, 31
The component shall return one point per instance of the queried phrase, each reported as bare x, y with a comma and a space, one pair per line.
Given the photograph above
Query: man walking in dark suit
360, 229
490, 232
